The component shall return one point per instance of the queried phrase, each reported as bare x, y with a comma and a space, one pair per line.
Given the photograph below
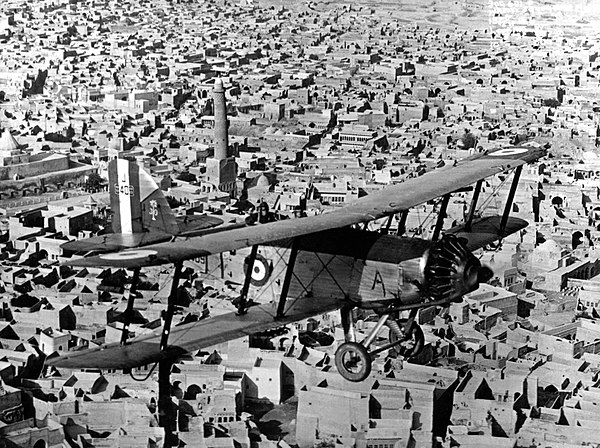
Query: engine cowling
449, 270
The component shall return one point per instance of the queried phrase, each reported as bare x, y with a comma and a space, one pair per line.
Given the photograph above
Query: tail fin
137, 203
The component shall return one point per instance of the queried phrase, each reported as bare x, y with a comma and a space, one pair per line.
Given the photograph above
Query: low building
499, 298
325, 413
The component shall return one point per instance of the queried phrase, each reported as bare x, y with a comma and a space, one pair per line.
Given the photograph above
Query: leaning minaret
221, 141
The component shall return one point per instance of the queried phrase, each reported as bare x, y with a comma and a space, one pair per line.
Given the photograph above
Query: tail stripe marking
124, 194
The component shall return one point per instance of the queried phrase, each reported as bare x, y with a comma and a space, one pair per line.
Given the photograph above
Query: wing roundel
261, 270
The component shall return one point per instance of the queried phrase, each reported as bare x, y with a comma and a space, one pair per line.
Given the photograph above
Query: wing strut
222, 265
511, 198
474, 200
128, 314
388, 223
402, 224
440, 220
166, 409
287, 279
164, 339
242, 305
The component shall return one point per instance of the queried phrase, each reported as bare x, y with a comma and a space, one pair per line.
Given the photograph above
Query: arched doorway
576, 239
192, 391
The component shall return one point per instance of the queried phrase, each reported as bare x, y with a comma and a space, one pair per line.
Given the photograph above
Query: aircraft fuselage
369, 269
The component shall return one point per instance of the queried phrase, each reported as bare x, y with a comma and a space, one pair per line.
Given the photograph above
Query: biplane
323, 263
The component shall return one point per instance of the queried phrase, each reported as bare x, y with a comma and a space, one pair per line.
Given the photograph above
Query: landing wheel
353, 361
412, 344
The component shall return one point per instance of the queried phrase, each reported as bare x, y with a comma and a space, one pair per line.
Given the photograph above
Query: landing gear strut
353, 360
408, 342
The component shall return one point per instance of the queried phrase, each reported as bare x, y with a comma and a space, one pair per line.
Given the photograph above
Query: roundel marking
261, 270
129, 255
509, 152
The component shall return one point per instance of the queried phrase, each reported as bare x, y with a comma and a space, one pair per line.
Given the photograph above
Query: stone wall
35, 167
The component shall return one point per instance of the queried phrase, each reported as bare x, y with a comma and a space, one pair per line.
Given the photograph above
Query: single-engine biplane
327, 262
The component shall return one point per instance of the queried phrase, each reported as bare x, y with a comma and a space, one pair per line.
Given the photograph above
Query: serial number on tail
125, 189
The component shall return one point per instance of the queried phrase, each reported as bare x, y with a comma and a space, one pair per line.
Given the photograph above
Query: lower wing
204, 333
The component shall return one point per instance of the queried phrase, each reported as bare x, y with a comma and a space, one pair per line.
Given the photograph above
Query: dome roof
8, 142
549, 246
263, 181
91, 202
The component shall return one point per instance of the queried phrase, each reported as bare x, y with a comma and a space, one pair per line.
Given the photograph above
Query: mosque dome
7, 142
90, 203
263, 181
549, 246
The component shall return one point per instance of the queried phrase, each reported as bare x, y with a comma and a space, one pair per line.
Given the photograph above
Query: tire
413, 344
353, 361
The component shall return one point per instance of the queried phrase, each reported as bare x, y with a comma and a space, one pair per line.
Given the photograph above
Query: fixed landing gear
408, 344
353, 360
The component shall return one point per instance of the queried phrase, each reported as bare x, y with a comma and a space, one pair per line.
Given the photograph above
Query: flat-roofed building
355, 136
325, 413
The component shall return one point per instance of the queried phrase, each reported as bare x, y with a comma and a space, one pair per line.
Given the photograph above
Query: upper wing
386, 202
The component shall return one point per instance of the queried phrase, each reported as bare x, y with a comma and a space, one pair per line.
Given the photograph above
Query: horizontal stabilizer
112, 242
192, 223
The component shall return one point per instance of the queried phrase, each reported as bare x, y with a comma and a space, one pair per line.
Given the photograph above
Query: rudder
137, 202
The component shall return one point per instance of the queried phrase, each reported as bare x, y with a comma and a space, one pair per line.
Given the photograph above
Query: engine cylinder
450, 270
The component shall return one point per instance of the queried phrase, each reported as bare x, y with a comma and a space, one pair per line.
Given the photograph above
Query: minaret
221, 170
221, 140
